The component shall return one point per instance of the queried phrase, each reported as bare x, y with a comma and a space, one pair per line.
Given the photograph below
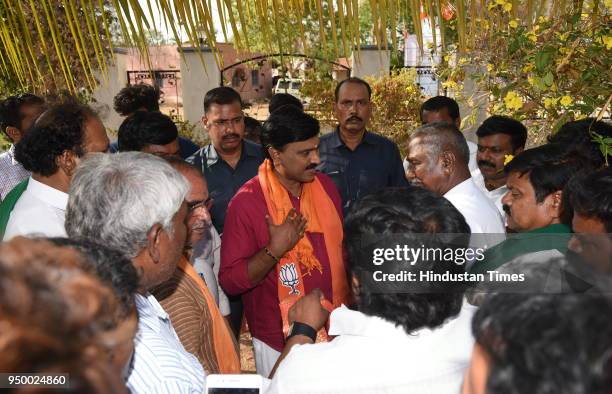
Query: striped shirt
161, 364
11, 172
181, 297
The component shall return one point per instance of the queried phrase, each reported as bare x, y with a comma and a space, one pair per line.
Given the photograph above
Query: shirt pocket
339, 177
370, 181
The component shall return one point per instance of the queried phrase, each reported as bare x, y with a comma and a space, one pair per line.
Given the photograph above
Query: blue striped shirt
161, 364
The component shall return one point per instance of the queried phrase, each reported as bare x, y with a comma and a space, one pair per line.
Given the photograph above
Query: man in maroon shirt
264, 251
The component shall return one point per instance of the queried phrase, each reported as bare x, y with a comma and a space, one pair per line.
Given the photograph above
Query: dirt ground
258, 111
247, 357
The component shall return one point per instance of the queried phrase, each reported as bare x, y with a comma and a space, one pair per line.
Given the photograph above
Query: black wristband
298, 328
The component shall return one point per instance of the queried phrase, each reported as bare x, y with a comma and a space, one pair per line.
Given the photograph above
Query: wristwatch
297, 328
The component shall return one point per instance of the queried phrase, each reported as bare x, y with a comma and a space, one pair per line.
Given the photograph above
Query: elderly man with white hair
135, 202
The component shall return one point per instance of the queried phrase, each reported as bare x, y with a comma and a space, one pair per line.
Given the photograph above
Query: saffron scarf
322, 217
225, 347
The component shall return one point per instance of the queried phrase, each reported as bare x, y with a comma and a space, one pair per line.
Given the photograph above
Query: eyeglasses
208, 203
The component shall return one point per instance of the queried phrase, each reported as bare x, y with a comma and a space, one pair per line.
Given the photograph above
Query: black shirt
373, 165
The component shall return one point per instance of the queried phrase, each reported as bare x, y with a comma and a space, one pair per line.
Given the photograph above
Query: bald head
183, 167
443, 137
438, 156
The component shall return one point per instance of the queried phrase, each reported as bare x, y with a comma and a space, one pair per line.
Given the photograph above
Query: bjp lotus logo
289, 277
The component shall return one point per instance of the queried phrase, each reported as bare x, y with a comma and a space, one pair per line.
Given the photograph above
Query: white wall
197, 80
116, 80
370, 62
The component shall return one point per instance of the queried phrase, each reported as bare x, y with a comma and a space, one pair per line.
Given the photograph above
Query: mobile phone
234, 384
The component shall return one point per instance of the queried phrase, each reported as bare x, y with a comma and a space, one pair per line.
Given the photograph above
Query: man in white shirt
499, 137
404, 337
17, 115
51, 150
439, 162
135, 203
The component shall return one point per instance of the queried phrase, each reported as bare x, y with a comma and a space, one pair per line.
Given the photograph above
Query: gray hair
116, 199
442, 136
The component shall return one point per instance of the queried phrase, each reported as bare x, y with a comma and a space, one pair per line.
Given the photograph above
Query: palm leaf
337, 21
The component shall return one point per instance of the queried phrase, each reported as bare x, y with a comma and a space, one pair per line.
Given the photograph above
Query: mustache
232, 135
484, 163
200, 224
311, 166
198, 229
506, 209
354, 117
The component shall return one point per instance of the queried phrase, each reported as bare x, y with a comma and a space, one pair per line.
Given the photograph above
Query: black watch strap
298, 328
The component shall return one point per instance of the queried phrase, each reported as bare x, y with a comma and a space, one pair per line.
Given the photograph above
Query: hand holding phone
234, 384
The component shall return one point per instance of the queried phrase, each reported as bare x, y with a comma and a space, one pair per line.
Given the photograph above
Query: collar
11, 153
336, 141
51, 196
479, 181
558, 228
148, 307
461, 188
248, 149
499, 192
344, 321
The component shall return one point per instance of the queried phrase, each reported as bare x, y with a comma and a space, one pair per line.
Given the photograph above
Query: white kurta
494, 195
479, 212
40, 211
372, 355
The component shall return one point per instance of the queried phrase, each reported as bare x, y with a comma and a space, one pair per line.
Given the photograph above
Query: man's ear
67, 161
554, 201
447, 159
274, 155
153, 242
204, 120
13, 133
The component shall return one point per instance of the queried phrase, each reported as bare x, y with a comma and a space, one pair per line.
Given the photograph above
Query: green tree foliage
65, 60
545, 73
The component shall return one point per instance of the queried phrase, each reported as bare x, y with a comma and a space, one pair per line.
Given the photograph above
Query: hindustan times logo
411, 255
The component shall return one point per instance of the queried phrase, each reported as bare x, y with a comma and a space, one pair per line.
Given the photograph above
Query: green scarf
7, 205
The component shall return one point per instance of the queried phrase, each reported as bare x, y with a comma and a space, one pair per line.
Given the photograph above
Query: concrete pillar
115, 80
370, 62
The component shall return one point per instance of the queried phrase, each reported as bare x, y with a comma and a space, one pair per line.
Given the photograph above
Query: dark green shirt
555, 236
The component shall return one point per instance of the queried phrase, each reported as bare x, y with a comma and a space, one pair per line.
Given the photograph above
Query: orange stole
227, 358
322, 216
